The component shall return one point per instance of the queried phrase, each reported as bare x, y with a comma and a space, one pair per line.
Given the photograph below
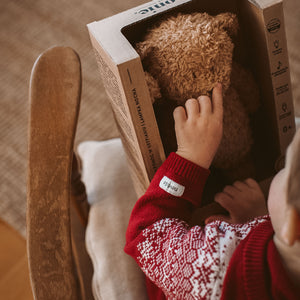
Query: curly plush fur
185, 56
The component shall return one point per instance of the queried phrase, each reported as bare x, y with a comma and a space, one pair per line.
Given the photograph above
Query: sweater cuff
188, 174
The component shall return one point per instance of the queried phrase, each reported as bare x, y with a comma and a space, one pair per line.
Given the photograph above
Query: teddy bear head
188, 54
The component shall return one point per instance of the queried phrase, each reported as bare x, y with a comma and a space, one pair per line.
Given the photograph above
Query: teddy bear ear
228, 22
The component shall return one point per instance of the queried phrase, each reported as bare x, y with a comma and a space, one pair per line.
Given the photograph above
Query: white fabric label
171, 187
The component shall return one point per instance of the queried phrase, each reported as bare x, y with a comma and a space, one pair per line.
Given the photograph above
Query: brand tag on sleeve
171, 187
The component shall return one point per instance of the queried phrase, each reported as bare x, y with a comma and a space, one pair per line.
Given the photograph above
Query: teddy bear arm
153, 86
237, 139
243, 82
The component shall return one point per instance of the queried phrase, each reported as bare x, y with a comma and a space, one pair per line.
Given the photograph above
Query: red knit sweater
220, 260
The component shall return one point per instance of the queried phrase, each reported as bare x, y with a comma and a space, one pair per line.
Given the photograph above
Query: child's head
284, 196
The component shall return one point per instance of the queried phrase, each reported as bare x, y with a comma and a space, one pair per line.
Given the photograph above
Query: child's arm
179, 182
157, 237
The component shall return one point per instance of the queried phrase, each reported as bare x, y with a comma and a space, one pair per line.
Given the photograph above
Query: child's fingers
252, 183
241, 186
217, 100
231, 190
192, 107
225, 201
179, 114
205, 105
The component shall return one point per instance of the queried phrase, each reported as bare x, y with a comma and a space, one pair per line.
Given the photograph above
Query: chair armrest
55, 89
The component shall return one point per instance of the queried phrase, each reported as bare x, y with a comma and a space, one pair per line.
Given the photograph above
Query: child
231, 257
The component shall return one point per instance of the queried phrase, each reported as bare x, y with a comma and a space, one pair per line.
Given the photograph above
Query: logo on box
153, 8
274, 25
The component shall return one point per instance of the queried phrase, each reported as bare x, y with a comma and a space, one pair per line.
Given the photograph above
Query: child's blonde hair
293, 171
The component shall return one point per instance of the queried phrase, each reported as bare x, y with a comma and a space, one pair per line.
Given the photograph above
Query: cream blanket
111, 195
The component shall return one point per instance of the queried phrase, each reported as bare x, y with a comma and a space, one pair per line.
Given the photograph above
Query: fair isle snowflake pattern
190, 263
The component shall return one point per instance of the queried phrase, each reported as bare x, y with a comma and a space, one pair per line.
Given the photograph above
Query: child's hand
199, 128
243, 200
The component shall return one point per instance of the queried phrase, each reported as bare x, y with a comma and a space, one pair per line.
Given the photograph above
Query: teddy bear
184, 56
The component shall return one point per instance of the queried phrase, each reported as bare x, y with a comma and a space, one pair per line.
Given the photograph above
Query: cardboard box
261, 47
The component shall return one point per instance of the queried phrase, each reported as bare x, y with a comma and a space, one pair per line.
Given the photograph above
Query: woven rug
28, 28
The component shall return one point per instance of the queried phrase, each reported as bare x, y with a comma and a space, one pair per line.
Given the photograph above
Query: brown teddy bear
184, 56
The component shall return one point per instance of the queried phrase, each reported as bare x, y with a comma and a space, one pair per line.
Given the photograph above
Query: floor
14, 275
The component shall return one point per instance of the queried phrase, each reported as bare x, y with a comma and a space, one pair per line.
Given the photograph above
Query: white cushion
111, 195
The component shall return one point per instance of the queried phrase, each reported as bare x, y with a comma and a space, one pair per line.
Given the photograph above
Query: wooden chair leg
55, 89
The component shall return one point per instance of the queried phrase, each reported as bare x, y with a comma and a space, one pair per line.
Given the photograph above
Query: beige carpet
29, 27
